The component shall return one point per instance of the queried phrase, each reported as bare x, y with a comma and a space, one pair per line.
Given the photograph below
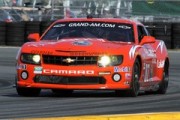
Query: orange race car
93, 54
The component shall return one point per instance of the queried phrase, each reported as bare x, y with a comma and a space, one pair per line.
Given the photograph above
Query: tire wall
15, 33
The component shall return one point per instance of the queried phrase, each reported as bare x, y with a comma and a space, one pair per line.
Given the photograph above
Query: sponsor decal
149, 51
59, 25
86, 24
160, 63
147, 72
41, 52
82, 43
38, 70
154, 61
21, 67
122, 69
116, 69
87, 53
128, 76
68, 72
124, 27
40, 44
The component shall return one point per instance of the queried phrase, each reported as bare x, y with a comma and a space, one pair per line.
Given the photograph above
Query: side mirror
147, 39
35, 37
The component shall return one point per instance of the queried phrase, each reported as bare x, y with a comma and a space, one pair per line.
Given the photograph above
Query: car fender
162, 57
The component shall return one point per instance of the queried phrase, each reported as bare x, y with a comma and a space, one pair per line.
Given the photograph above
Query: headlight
36, 58
105, 60
30, 58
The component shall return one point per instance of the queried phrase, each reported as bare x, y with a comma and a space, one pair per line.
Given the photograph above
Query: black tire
62, 92
28, 92
133, 92
165, 81
135, 86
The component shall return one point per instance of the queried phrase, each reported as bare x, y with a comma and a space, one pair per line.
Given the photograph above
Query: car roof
115, 20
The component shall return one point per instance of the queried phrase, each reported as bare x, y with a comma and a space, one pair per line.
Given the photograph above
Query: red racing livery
93, 54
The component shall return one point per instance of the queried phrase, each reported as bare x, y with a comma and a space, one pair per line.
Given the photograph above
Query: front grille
67, 61
68, 80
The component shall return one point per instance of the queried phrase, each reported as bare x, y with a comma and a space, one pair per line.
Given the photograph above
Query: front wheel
165, 81
133, 92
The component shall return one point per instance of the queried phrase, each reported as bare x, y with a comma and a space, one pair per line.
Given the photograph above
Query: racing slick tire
165, 80
62, 92
135, 86
133, 92
28, 92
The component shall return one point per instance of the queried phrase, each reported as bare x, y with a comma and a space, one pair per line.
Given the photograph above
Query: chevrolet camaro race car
93, 54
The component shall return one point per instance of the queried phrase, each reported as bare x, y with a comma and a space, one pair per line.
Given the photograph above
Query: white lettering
108, 25
54, 71
62, 71
46, 71
70, 72
90, 72
81, 72
92, 25
160, 63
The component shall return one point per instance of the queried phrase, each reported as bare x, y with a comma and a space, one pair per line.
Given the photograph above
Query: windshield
108, 31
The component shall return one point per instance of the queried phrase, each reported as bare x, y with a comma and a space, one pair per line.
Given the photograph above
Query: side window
141, 32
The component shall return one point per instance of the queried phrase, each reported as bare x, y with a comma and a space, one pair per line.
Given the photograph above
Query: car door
148, 55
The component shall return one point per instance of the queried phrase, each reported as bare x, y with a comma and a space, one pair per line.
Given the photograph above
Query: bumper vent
68, 80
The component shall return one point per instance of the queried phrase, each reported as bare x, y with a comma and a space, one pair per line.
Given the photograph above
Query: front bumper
73, 77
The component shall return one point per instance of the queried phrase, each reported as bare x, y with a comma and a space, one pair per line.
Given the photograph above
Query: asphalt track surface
48, 104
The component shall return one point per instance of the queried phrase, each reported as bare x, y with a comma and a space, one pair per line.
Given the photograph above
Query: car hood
78, 45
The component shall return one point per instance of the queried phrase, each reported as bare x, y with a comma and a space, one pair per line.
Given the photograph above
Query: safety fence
15, 33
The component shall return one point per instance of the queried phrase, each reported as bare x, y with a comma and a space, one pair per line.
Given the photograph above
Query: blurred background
19, 18
50, 10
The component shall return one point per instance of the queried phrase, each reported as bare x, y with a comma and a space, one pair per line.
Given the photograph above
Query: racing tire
133, 92
62, 92
28, 92
165, 81
135, 86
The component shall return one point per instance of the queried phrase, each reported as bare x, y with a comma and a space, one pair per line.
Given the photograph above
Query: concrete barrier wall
15, 33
